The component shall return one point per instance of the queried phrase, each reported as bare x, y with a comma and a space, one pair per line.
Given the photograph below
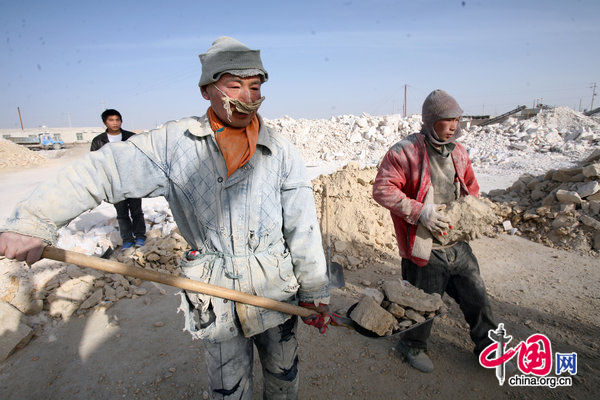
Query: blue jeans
230, 363
454, 271
134, 225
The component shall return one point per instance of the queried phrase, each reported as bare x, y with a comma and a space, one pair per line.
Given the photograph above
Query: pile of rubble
396, 308
65, 289
363, 138
560, 208
357, 224
31, 297
514, 144
13, 155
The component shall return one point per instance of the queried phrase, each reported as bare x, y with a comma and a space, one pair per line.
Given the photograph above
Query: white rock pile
554, 138
363, 138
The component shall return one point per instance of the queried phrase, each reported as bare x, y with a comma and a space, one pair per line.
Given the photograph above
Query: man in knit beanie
417, 178
241, 197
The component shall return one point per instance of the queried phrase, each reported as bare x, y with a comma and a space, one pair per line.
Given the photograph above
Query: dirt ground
137, 349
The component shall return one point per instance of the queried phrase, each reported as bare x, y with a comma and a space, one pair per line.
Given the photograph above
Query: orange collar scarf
237, 144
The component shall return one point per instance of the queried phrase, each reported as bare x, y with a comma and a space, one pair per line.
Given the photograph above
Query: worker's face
243, 89
113, 123
444, 128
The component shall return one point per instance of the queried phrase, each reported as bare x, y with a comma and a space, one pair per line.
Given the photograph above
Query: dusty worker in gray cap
242, 199
418, 176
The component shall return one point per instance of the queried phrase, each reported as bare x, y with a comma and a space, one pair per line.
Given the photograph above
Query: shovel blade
335, 271
106, 255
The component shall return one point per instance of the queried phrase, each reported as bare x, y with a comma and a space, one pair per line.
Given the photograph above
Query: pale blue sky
68, 60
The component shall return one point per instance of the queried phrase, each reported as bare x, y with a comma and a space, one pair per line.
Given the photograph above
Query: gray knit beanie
227, 55
439, 105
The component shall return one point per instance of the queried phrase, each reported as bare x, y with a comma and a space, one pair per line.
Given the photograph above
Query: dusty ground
137, 349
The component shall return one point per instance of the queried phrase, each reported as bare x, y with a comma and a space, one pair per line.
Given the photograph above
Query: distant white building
67, 135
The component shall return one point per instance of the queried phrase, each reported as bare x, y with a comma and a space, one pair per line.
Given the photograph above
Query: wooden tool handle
115, 267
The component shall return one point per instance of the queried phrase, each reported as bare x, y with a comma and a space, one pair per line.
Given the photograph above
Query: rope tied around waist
195, 254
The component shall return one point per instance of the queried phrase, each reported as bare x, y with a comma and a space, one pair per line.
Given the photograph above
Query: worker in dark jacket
129, 211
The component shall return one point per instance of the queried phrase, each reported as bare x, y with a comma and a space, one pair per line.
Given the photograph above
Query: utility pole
593, 87
20, 119
405, 100
579, 105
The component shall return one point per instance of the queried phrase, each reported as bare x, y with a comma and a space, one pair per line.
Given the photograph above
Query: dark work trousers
230, 363
455, 271
133, 226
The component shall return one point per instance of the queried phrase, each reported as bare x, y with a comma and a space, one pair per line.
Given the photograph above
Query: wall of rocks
560, 208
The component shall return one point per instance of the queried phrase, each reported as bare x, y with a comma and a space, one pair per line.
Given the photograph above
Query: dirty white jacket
255, 232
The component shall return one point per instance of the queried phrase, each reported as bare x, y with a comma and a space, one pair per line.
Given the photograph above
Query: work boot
416, 357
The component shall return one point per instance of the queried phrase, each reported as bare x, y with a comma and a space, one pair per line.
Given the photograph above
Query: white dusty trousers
230, 364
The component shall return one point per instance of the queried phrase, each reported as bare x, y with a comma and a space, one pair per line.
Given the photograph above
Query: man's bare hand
21, 247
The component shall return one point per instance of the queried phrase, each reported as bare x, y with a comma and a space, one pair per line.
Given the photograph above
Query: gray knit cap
227, 55
439, 105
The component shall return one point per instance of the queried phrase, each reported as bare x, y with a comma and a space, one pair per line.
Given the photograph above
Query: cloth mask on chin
241, 106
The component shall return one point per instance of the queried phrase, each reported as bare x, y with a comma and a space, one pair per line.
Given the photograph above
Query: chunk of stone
152, 257
586, 189
589, 221
67, 298
406, 295
568, 196
14, 333
93, 300
595, 207
140, 291
16, 287
469, 216
353, 261
396, 310
592, 170
120, 292
405, 323
564, 221
110, 293
373, 317
375, 294
413, 315
567, 175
